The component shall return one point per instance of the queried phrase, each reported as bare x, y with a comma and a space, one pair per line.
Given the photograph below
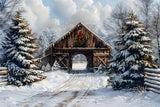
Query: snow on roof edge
65, 34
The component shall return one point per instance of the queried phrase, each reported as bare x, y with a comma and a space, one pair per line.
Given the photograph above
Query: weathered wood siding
3, 76
96, 50
152, 80
67, 41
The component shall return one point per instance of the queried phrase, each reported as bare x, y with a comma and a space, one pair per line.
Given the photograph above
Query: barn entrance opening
79, 40
79, 62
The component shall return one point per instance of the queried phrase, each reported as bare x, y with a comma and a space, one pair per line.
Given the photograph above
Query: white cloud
64, 8
67, 13
83, 3
38, 15
70, 12
131, 3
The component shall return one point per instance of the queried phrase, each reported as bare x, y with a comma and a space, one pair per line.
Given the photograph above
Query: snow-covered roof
80, 24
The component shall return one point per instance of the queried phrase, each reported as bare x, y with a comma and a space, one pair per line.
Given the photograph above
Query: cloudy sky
66, 13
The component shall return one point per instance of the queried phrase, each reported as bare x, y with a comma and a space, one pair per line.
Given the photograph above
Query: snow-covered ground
61, 89
78, 66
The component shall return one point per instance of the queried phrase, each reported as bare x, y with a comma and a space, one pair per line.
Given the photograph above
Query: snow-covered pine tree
126, 70
19, 46
45, 39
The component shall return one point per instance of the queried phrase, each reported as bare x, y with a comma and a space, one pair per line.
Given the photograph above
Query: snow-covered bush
48, 67
19, 46
55, 66
127, 68
43, 68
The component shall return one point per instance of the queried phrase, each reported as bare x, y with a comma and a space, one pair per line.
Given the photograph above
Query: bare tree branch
7, 10
156, 26
145, 8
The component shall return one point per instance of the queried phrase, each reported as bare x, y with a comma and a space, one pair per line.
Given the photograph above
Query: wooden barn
79, 40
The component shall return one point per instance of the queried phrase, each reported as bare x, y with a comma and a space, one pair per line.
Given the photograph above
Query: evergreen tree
19, 46
127, 68
45, 39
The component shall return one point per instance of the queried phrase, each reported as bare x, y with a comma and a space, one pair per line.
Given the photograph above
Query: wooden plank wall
3, 76
68, 40
101, 54
152, 80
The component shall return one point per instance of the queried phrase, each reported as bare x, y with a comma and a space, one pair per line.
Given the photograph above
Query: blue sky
50, 4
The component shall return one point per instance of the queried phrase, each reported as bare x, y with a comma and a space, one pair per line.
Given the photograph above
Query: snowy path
72, 92
61, 89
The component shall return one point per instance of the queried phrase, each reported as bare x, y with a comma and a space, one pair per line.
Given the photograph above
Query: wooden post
51, 62
70, 61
